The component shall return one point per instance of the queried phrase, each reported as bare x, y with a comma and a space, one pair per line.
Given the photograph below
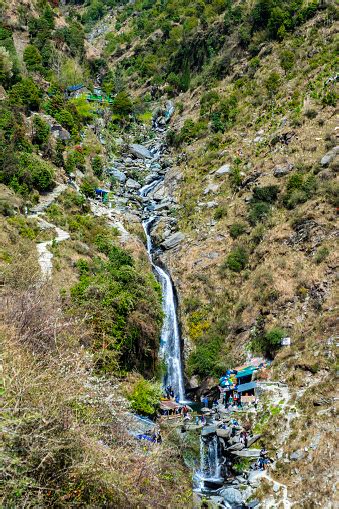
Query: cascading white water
170, 341
210, 464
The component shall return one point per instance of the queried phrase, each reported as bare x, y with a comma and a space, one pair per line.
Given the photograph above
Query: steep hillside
243, 187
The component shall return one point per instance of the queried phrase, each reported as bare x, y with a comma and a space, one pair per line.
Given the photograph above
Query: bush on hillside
266, 194
268, 343
237, 259
299, 189
237, 229
28, 172
258, 212
41, 131
32, 58
88, 186
145, 397
26, 95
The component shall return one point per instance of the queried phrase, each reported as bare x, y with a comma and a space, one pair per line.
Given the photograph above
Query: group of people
263, 460
169, 392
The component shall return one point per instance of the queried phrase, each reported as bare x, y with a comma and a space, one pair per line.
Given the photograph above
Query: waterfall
210, 465
170, 341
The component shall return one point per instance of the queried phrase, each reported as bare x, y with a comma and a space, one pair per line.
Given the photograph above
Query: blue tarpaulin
246, 387
74, 88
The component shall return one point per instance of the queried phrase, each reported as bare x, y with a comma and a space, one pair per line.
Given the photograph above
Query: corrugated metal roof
246, 387
246, 372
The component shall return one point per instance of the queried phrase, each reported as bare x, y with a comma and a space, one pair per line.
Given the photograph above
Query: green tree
32, 58
25, 94
237, 259
272, 83
41, 131
88, 187
122, 105
97, 166
287, 60
6, 66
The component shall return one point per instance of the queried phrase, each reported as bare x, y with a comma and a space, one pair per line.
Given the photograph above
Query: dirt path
44, 254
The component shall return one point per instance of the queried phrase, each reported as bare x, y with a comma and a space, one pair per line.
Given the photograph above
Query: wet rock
211, 188
208, 430
140, 151
223, 170
132, 184
173, 240
231, 496
282, 170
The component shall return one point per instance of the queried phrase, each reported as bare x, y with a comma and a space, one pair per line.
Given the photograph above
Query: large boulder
173, 240
231, 496
140, 151
118, 175
132, 184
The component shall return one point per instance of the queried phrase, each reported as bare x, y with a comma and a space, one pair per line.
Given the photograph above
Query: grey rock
208, 430
140, 151
258, 139
119, 175
211, 204
276, 487
297, 455
328, 158
223, 170
281, 171
132, 184
173, 240
231, 496
211, 188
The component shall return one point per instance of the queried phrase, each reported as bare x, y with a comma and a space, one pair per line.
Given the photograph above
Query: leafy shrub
237, 259
268, 343
272, 83
87, 187
32, 58
258, 212
97, 166
287, 60
28, 172
25, 94
299, 189
41, 131
237, 229
321, 255
220, 212
145, 397
266, 194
